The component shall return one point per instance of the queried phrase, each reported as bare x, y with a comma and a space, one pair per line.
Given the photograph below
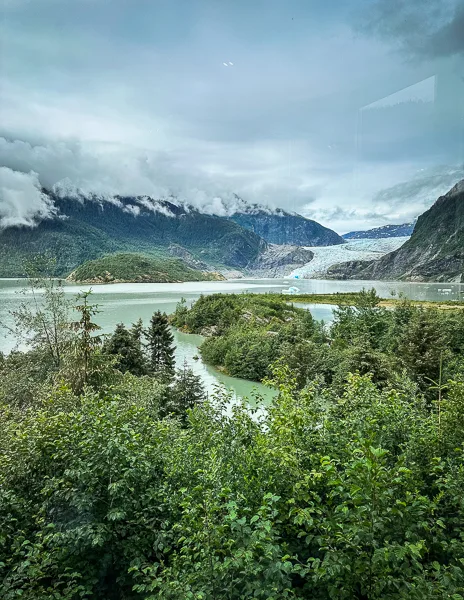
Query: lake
125, 303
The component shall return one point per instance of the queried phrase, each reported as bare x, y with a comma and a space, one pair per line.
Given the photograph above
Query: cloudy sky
349, 111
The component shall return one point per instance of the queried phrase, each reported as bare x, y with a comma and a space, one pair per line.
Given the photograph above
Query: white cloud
77, 169
21, 199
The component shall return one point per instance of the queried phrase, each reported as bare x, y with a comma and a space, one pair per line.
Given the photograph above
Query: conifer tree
159, 347
136, 332
130, 356
87, 360
186, 392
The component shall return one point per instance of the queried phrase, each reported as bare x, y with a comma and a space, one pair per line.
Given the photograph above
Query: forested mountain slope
86, 229
435, 251
281, 227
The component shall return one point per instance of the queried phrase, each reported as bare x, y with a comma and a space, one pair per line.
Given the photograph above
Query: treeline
246, 333
405, 346
349, 489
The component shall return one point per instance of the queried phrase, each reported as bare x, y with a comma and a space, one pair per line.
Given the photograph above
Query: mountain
386, 231
136, 268
86, 229
281, 227
434, 252
278, 261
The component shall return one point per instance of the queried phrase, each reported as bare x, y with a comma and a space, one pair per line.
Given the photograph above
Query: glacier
364, 249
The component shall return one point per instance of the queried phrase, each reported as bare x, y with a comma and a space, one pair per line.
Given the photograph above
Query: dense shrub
121, 486
100, 498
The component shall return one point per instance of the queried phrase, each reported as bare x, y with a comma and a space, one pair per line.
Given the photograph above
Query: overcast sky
347, 111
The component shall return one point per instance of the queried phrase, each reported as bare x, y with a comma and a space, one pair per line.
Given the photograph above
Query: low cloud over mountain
21, 199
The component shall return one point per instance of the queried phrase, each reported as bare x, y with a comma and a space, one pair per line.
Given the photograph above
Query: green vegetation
91, 229
123, 486
159, 347
137, 268
350, 298
126, 346
247, 333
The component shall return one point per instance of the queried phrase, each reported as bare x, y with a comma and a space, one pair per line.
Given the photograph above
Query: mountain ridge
384, 231
82, 228
434, 252
85, 229
286, 228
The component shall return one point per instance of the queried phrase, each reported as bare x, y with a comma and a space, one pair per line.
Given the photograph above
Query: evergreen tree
136, 332
159, 346
88, 361
186, 392
124, 344
422, 346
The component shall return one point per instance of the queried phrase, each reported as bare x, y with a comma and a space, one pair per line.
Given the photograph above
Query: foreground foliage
356, 498
247, 332
407, 345
117, 484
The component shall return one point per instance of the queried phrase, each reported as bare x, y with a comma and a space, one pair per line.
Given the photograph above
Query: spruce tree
87, 365
136, 332
130, 356
159, 347
186, 392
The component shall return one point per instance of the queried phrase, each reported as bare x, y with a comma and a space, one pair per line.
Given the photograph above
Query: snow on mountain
364, 249
386, 231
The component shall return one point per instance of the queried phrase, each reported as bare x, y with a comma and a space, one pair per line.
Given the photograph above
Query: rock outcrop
278, 261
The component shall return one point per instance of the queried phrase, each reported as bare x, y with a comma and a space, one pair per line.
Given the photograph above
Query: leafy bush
349, 486
102, 499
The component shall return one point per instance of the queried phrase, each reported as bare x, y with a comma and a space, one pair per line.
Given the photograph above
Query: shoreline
346, 298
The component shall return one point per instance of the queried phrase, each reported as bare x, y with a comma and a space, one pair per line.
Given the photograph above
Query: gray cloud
103, 98
422, 190
422, 28
400, 203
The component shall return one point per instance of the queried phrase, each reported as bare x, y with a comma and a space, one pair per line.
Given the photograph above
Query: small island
138, 268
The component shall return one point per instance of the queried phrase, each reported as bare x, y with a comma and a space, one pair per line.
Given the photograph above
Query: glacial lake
125, 303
